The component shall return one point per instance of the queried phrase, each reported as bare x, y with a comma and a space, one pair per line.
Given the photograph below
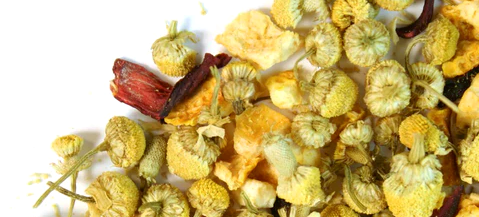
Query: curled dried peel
465, 17
423, 98
287, 13
164, 200
436, 141
332, 92
414, 186
366, 42
115, 195
170, 55
325, 43
387, 88
284, 90
346, 12
465, 59
209, 198
311, 130
394, 5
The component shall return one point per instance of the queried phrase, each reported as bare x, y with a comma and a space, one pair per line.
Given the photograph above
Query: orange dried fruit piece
468, 105
465, 59
465, 17
187, 111
284, 90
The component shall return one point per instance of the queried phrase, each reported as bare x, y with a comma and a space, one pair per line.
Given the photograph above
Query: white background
56, 59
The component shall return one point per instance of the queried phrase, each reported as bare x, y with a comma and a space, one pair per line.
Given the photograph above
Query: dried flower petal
325, 43
67, 146
346, 12
153, 159
164, 200
287, 13
427, 73
311, 130
209, 198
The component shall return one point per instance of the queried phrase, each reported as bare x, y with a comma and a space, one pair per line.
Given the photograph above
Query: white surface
56, 59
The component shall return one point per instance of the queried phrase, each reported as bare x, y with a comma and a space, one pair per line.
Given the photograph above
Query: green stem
356, 201
216, 90
441, 97
102, 147
251, 208
172, 29
74, 189
305, 55
417, 152
70, 194
415, 41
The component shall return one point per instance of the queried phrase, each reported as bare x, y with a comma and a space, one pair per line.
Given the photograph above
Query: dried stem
102, 147
304, 56
70, 194
172, 29
441, 97
74, 189
417, 152
356, 201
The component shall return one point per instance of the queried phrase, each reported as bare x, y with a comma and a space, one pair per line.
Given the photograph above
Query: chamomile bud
429, 74
67, 146
362, 187
164, 200
387, 88
153, 159
239, 85
469, 157
394, 5
170, 54
366, 42
346, 12
324, 45
386, 132
209, 198
357, 133
287, 13
311, 130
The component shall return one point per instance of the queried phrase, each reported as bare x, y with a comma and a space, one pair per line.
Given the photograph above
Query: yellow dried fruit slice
465, 59
284, 90
465, 17
468, 105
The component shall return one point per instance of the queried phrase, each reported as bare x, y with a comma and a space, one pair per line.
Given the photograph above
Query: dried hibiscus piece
450, 205
139, 88
193, 79
420, 24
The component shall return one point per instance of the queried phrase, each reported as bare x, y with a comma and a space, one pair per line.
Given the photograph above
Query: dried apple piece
284, 90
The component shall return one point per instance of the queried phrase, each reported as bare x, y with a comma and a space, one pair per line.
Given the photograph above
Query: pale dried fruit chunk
414, 185
169, 53
468, 105
284, 90
209, 198
440, 41
299, 185
366, 42
187, 111
465, 17
325, 45
153, 159
435, 140
236, 171
338, 210
346, 12
115, 195
311, 130
239, 86
164, 200
265, 172
331, 92
306, 156
387, 88
363, 186
469, 156
469, 206
287, 13
254, 37
465, 59
394, 5
260, 194
429, 74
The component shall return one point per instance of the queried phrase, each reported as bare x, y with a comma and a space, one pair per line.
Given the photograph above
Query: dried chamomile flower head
440, 41
311, 130
323, 45
239, 86
435, 140
287, 13
366, 42
394, 5
414, 185
319, 7
430, 75
251, 210
387, 88
299, 185
465, 17
170, 54
153, 159
211, 115
361, 192
386, 132
164, 200
67, 146
346, 12
469, 205
331, 92
260, 194
357, 133
338, 210
209, 198
189, 155
115, 195
465, 59
124, 142
284, 90
469, 156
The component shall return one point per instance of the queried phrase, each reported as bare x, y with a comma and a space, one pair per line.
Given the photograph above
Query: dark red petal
420, 24
450, 206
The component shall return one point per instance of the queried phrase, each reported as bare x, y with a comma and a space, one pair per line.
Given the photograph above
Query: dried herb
450, 205
420, 24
